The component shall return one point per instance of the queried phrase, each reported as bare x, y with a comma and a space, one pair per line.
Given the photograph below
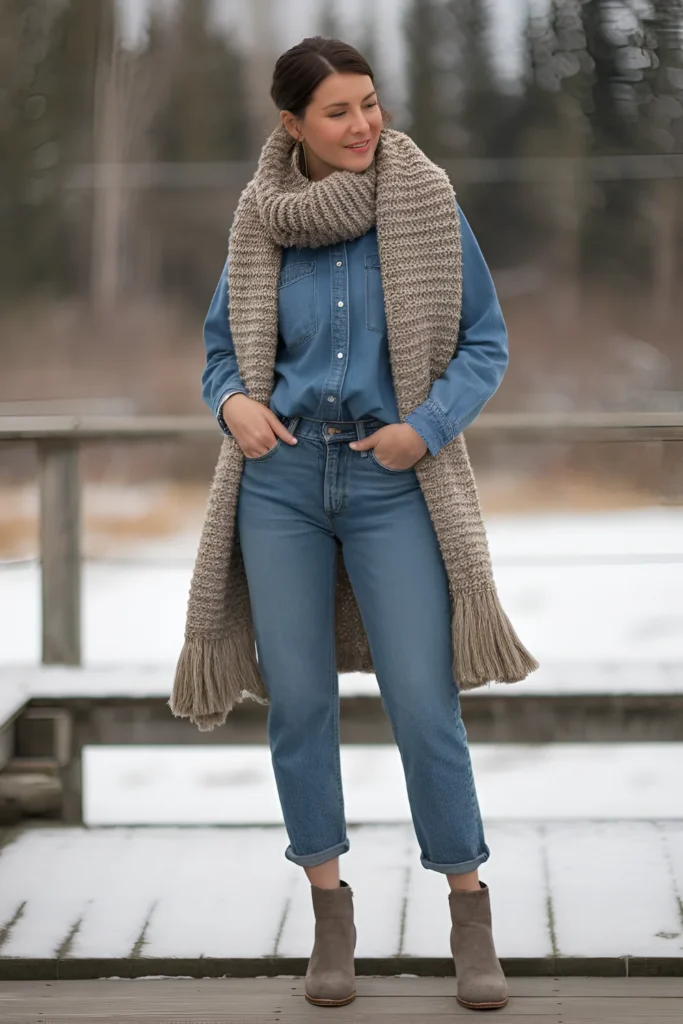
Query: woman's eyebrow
344, 103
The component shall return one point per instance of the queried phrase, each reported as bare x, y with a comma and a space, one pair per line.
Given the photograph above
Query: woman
343, 529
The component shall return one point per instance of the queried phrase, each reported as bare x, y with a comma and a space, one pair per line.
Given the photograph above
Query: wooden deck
589, 898
403, 1000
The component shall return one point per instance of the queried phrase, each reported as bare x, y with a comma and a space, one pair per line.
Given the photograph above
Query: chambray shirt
332, 359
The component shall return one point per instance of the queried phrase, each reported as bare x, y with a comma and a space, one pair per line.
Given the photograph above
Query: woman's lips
360, 149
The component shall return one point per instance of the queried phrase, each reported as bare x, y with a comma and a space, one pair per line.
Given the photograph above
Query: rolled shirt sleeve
476, 370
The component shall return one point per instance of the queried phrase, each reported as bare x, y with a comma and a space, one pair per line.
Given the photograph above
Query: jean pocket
386, 469
297, 314
266, 455
375, 317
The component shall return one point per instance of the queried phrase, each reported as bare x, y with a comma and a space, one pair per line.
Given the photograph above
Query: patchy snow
563, 609
234, 785
584, 889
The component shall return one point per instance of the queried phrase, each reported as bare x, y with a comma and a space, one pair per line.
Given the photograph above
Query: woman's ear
291, 124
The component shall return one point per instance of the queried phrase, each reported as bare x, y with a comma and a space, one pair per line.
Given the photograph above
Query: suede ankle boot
481, 982
330, 975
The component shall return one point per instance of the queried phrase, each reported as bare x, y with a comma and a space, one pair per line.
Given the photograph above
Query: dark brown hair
300, 70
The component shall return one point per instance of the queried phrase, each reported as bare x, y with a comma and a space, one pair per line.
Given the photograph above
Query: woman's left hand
398, 445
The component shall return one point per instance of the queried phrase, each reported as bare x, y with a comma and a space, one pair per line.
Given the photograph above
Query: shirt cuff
219, 406
431, 424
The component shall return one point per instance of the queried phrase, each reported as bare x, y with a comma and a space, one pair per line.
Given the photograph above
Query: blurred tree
205, 115
368, 42
474, 93
329, 20
37, 139
592, 87
615, 243
421, 35
661, 123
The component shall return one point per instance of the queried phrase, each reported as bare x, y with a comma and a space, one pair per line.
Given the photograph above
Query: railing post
60, 551
671, 474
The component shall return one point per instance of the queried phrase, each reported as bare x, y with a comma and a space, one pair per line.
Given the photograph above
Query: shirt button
339, 263
340, 355
340, 304
330, 398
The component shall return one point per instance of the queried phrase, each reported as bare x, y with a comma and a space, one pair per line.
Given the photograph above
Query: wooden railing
47, 734
59, 439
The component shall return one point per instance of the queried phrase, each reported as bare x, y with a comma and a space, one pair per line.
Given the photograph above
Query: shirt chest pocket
375, 318
297, 313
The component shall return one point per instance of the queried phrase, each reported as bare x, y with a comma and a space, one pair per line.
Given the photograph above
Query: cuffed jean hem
311, 860
455, 869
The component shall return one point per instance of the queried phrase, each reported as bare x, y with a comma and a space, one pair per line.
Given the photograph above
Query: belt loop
360, 433
293, 423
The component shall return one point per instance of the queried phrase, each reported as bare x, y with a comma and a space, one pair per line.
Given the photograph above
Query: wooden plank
60, 546
12, 701
602, 677
227, 898
581, 426
378, 1000
514, 874
610, 880
147, 900
627, 1011
375, 866
526, 718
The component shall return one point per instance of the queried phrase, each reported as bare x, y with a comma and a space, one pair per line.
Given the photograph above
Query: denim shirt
332, 359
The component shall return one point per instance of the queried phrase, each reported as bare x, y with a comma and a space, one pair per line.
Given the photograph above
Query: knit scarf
411, 201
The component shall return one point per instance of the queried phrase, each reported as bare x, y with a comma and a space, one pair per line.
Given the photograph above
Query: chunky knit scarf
411, 201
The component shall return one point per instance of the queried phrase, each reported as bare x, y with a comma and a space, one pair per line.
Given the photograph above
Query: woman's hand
398, 445
255, 427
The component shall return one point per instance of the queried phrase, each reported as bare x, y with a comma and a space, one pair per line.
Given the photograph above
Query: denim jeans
296, 503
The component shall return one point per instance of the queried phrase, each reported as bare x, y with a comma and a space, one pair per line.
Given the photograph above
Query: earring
303, 150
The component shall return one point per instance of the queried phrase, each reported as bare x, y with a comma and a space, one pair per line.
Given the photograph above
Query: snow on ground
565, 605
235, 785
605, 889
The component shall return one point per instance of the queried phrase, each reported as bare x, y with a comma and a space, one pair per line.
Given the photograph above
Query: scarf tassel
210, 677
485, 645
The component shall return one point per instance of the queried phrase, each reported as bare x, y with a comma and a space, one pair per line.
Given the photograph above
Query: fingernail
352, 444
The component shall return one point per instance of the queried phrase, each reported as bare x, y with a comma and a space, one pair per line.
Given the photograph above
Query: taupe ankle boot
481, 982
330, 975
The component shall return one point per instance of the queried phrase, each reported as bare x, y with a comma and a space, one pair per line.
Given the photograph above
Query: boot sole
483, 1006
330, 1002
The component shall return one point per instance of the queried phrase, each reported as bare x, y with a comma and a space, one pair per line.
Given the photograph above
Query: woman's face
341, 125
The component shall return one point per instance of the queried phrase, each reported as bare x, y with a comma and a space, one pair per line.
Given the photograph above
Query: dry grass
118, 517
111, 521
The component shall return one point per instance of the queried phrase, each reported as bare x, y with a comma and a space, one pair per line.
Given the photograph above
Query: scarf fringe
485, 645
212, 676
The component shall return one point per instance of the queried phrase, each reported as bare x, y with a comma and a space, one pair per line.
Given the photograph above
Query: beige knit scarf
411, 201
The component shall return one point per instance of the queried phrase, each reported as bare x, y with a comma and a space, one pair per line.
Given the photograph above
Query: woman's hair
300, 70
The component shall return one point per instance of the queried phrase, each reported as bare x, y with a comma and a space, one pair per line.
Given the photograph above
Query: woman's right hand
254, 426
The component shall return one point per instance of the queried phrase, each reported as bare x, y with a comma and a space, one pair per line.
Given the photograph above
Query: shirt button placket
339, 323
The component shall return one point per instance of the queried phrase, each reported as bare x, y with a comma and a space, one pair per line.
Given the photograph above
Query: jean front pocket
297, 314
266, 455
375, 318
386, 469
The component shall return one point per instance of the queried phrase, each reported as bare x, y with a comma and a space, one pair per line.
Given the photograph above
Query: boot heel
330, 974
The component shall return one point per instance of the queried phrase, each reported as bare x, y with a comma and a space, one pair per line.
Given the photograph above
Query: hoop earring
303, 150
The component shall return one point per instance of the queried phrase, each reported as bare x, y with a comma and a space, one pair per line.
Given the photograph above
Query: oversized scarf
411, 201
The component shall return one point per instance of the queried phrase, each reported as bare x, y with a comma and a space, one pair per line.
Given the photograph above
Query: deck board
591, 890
256, 1001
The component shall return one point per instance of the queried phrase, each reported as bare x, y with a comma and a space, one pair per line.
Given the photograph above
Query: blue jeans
296, 503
